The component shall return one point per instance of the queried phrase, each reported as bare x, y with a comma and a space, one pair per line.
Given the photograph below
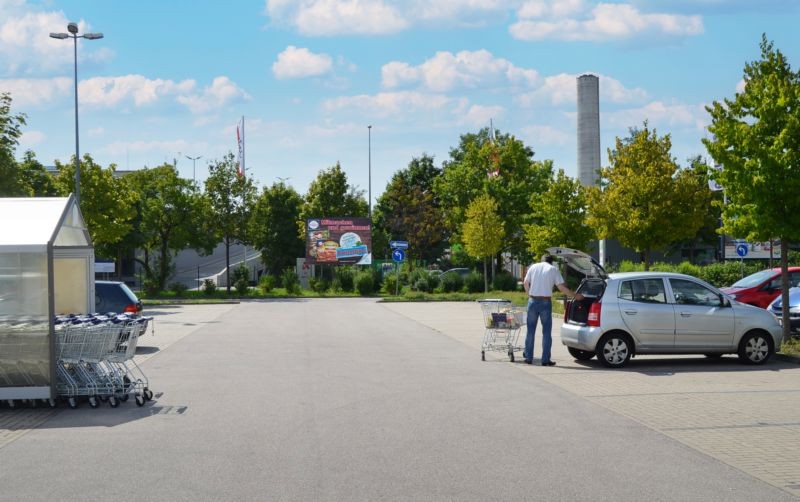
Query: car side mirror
724, 301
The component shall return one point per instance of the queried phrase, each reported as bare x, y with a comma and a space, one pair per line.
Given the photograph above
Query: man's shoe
528, 361
549, 363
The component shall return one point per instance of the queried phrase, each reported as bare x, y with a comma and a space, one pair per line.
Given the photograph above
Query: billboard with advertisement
753, 250
339, 241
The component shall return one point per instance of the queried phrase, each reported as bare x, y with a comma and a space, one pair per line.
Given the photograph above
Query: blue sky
172, 79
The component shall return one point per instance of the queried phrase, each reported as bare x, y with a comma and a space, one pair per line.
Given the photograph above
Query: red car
761, 288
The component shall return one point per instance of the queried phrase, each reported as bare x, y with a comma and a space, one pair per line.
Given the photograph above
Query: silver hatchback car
659, 313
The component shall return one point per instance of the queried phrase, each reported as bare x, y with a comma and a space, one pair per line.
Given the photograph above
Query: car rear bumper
580, 337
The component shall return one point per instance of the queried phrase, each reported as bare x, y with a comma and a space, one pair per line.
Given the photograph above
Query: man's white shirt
542, 278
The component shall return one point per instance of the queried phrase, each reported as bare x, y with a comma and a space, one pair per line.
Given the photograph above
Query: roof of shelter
35, 221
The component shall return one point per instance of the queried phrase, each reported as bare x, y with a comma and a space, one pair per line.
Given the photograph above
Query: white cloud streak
26, 48
297, 62
660, 114
573, 20
467, 69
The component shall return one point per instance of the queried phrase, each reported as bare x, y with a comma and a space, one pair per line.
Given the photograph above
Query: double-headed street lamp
193, 159
72, 28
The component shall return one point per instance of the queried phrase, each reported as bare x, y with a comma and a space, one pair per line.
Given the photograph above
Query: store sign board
339, 241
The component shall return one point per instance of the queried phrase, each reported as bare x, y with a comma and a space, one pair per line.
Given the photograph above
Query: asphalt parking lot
335, 399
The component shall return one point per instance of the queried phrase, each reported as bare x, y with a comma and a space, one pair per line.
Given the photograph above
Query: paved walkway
747, 417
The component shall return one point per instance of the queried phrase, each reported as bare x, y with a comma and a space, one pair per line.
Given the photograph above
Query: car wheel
614, 350
580, 355
755, 348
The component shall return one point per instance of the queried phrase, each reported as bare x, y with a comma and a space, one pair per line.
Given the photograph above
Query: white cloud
296, 62
389, 103
96, 132
30, 139
467, 69
562, 89
36, 92
27, 49
338, 17
660, 114
479, 115
740, 85
545, 135
574, 21
460, 12
112, 91
221, 92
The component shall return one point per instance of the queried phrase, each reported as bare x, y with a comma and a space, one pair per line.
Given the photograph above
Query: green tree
501, 166
35, 179
330, 195
107, 202
273, 227
483, 231
409, 210
232, 198
10, 130
647, 202
171, 216
559, 216
756, 142
707, 233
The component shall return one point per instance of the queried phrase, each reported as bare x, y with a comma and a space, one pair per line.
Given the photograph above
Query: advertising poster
339, 241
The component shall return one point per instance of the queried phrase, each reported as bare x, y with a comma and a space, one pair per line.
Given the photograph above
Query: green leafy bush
209, 287
364, 283
474, 282
179, 288
451, 283
390, 283
345, 278
319, 284
267, 283
290, 281
725, 274
504, 281
242, 286
239, 273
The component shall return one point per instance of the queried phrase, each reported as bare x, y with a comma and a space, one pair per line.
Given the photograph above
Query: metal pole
77, 144
369, 147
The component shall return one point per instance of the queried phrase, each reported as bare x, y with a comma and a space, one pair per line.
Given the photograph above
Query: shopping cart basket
502, 322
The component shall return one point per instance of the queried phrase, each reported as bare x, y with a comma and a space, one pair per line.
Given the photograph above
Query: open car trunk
577, 311
592, 286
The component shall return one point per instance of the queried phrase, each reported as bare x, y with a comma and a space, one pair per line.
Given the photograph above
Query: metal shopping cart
502, 322
95, 359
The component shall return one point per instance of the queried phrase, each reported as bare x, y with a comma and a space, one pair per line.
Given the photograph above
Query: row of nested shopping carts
95, 359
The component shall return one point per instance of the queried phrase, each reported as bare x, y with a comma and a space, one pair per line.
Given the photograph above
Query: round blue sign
398, 255
741, 250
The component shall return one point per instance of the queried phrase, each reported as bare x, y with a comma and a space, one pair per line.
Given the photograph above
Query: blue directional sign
398, 244
398, 255
741, 250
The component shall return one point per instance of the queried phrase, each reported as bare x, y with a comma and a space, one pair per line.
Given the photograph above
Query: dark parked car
776, 307
117, 297
761, 288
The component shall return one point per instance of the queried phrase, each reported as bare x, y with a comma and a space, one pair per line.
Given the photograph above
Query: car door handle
631, 312
686, 314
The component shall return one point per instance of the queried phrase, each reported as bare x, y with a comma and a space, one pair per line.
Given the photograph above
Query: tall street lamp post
369, 160
72, 28
193, 159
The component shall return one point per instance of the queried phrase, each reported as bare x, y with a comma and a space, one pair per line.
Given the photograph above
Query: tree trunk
227, 265
785, 289
485, 278
646, 259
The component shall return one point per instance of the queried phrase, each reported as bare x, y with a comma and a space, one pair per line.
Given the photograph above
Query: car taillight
131, 308
566, 309
594, 315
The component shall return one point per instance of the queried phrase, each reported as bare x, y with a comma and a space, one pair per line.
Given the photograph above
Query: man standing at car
539, 283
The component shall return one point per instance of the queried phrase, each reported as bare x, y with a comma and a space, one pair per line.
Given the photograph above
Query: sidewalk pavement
745, 416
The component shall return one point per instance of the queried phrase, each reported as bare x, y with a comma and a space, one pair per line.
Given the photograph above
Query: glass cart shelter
46, 268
